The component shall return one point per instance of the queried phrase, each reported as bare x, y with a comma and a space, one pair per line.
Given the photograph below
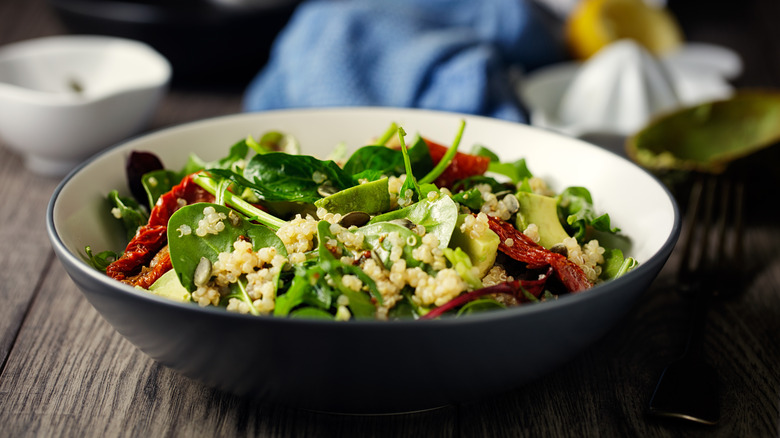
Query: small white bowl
65, 98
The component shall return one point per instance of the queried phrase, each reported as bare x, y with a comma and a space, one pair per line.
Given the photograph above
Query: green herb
101, 260
576, 205
446, 159
128, 211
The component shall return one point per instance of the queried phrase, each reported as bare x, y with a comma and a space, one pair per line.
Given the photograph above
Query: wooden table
65, 371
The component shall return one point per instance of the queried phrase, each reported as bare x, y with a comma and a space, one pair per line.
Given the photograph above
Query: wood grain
65, 372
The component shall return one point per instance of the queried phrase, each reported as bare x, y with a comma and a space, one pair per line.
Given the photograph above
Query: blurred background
214, 43
221, 50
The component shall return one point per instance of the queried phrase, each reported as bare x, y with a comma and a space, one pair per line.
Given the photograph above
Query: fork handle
698, 321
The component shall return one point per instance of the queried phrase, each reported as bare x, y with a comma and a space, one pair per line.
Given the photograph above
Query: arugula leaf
516, 171
128, 211
101, 260
302, 289
482, 151
576, 205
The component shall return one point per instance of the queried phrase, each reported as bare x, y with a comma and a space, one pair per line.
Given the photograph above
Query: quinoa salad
403, 228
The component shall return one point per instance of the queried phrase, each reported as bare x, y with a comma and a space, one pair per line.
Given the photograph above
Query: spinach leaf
128, 211
471, 198
438, 216
158, 183
186, 250
420, 157
277, 176
576, 205
375, 237
374, 161
308, 287
377, 158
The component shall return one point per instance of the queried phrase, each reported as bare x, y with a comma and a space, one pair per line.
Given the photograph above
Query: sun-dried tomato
185, 193
148, 240
525, 250
461, 167
152, 237
160, 264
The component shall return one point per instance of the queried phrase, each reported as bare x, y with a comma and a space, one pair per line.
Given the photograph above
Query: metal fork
688, 388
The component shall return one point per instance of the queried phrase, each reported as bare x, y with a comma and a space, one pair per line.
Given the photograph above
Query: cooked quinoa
449, 243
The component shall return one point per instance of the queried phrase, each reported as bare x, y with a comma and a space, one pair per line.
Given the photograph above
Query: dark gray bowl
366, 367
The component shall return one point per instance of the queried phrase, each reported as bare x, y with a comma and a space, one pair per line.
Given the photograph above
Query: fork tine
729, 252
684, 270
693, 259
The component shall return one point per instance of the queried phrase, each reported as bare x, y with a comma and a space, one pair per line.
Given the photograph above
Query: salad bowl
364, 366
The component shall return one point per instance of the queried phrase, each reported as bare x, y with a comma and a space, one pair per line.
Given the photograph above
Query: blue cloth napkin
451, 55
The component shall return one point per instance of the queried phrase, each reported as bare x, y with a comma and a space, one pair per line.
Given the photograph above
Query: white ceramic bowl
367, 366
64, 98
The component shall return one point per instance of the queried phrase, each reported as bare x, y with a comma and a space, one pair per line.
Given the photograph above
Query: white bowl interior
100, 65
637, 202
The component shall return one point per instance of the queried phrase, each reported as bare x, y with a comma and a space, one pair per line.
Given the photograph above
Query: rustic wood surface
65, 372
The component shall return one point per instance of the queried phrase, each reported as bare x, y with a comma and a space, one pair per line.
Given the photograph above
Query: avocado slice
371, 198
542, 211
168, 286
482, 251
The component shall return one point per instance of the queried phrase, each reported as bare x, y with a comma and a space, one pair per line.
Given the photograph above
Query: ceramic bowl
64, 98
366, 366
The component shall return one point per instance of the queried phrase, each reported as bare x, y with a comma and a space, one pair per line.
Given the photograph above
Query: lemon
597, 23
